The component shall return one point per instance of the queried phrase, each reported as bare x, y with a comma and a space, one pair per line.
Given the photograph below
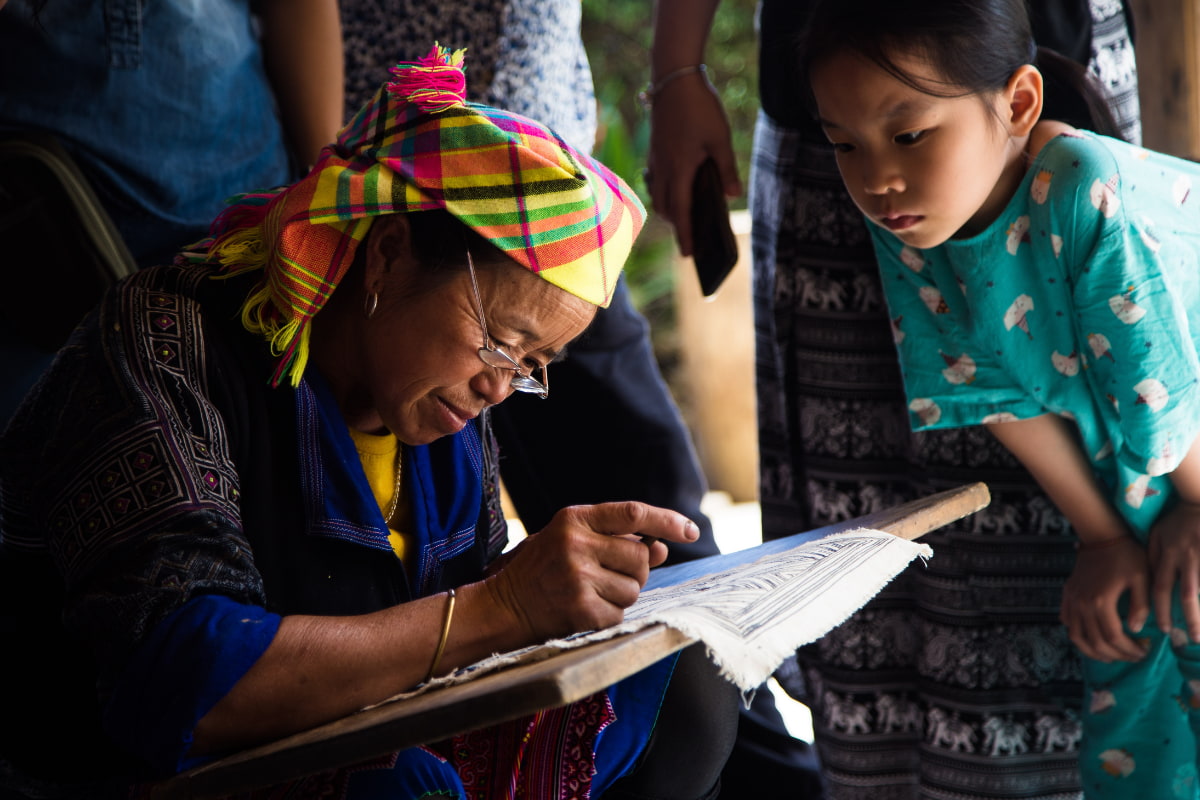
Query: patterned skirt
957, 681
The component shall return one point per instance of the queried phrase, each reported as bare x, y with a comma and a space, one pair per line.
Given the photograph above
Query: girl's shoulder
1053, 144
1074, 169
1046, 131
1074, 189
1056, 144
1073, 163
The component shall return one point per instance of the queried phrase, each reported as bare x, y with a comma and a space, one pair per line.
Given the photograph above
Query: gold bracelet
437, 656
646, 96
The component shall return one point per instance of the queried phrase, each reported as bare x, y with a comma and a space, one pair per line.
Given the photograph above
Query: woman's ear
1023, 97
388, 248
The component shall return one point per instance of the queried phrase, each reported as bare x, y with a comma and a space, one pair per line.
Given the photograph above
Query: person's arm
579, 573
1175, 548
302, 49
1048, 448
687, 120
1110, 561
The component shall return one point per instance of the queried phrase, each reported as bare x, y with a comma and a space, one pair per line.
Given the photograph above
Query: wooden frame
509, 694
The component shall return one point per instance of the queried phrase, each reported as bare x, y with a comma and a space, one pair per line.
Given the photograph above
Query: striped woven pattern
554, 210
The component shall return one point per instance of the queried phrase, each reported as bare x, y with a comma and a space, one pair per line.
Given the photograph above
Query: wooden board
509, 694
918, 517
909, 520
491, 699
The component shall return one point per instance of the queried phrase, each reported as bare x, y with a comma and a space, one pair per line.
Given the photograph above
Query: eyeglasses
495, 357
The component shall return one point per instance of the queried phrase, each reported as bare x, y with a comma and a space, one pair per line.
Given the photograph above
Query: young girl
1042, 280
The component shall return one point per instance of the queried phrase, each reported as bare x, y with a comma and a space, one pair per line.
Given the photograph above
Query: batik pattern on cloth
957, 680
1115, 66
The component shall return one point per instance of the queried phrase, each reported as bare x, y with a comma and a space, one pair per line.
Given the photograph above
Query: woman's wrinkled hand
585, 567
1103, 572
687, 126
1174, 555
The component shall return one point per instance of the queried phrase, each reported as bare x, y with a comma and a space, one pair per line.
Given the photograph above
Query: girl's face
419, 374
925, 168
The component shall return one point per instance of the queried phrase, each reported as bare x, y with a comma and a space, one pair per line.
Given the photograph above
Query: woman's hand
688, 125
586, 567
1175, 557
687, 120
1103, 572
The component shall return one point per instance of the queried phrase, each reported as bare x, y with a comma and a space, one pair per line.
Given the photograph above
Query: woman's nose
493, 384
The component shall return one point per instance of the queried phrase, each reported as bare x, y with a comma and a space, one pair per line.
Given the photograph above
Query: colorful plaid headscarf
418, 146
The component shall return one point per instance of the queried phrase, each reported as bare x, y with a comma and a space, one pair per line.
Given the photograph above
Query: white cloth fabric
752, 608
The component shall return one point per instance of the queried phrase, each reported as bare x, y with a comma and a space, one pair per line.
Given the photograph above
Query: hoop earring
370, 304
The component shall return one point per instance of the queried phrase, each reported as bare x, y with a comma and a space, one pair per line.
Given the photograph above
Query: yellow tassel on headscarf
242, 251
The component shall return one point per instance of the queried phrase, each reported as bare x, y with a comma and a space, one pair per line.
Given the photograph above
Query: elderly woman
238, 508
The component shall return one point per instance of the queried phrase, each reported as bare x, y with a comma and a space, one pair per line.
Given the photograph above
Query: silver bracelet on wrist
646, 96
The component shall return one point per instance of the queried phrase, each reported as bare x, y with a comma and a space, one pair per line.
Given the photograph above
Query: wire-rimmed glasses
495, 357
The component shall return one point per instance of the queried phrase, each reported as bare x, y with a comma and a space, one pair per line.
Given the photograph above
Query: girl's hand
1175, 556
1103, 572
586, 567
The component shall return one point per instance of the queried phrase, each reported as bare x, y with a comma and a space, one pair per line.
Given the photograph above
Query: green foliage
617, 35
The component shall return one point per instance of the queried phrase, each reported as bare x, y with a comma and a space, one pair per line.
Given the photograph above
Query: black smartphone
714, 247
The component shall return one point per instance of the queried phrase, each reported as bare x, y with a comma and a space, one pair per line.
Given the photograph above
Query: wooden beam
1168, 62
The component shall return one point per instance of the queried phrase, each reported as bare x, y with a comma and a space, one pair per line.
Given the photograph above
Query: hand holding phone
714, 247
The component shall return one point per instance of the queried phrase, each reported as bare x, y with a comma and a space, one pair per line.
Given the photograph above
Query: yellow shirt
380, 455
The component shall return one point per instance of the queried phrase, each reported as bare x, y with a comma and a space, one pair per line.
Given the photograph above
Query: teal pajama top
1081, 299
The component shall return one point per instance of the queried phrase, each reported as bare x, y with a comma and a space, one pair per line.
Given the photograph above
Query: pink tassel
434, 83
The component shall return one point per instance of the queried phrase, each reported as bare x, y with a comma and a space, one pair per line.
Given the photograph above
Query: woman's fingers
630, 518
588, 565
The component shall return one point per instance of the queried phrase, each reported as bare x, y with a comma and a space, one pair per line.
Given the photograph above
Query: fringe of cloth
753, 617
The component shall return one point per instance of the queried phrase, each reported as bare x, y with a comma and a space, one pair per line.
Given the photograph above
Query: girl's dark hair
976, 44
1073, 95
